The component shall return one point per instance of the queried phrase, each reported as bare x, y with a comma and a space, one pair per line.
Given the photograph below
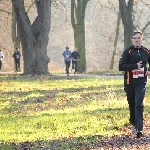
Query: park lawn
61, 113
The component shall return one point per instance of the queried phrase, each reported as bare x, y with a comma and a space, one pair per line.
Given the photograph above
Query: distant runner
17, 56
75, 57
1, 58
67, 59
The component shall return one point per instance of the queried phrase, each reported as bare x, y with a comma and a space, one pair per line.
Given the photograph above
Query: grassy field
51, 112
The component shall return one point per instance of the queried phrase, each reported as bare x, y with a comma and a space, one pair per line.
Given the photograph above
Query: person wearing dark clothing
1, 58
67, 59
133, 62
17, 56
75, 57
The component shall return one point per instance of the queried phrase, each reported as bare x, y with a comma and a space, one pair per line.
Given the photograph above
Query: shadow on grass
23, 77
60, 98
98, 142
122, 141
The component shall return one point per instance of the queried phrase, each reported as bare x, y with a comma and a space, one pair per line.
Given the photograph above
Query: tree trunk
115, 42
126, 15
79, 37
15, 35
78, 8
34, 37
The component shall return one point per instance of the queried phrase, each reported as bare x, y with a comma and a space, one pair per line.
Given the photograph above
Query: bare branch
5, 11
144, 28
30, 7
100, 3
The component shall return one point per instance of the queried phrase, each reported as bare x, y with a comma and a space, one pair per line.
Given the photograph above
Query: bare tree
78, 8
34, 37
115, 42
126, 10
14, 29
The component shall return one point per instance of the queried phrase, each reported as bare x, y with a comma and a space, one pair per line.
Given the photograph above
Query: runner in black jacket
17, 56
134, 62
75, 57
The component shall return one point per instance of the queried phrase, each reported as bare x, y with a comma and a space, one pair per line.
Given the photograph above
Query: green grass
61, 112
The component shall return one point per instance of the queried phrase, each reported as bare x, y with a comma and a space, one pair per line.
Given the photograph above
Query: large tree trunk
78, 8
79, 39
126, 15
34, 38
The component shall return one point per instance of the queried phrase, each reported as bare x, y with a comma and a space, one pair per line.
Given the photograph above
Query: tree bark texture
78, 8
34, 37
126, 10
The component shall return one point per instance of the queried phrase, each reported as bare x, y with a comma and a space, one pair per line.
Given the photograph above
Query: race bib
138, 73
67, 55
17, 56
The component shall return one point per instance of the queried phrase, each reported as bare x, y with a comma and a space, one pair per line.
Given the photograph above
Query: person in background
17, 57
133, 61
75, 57
1, 58
67, 58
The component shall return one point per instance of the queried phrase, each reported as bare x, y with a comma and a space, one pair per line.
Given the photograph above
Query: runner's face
137, 40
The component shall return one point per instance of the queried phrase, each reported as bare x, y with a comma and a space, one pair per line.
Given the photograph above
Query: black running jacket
128, 62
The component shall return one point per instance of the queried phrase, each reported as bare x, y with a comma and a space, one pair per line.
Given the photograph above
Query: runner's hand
139, 64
